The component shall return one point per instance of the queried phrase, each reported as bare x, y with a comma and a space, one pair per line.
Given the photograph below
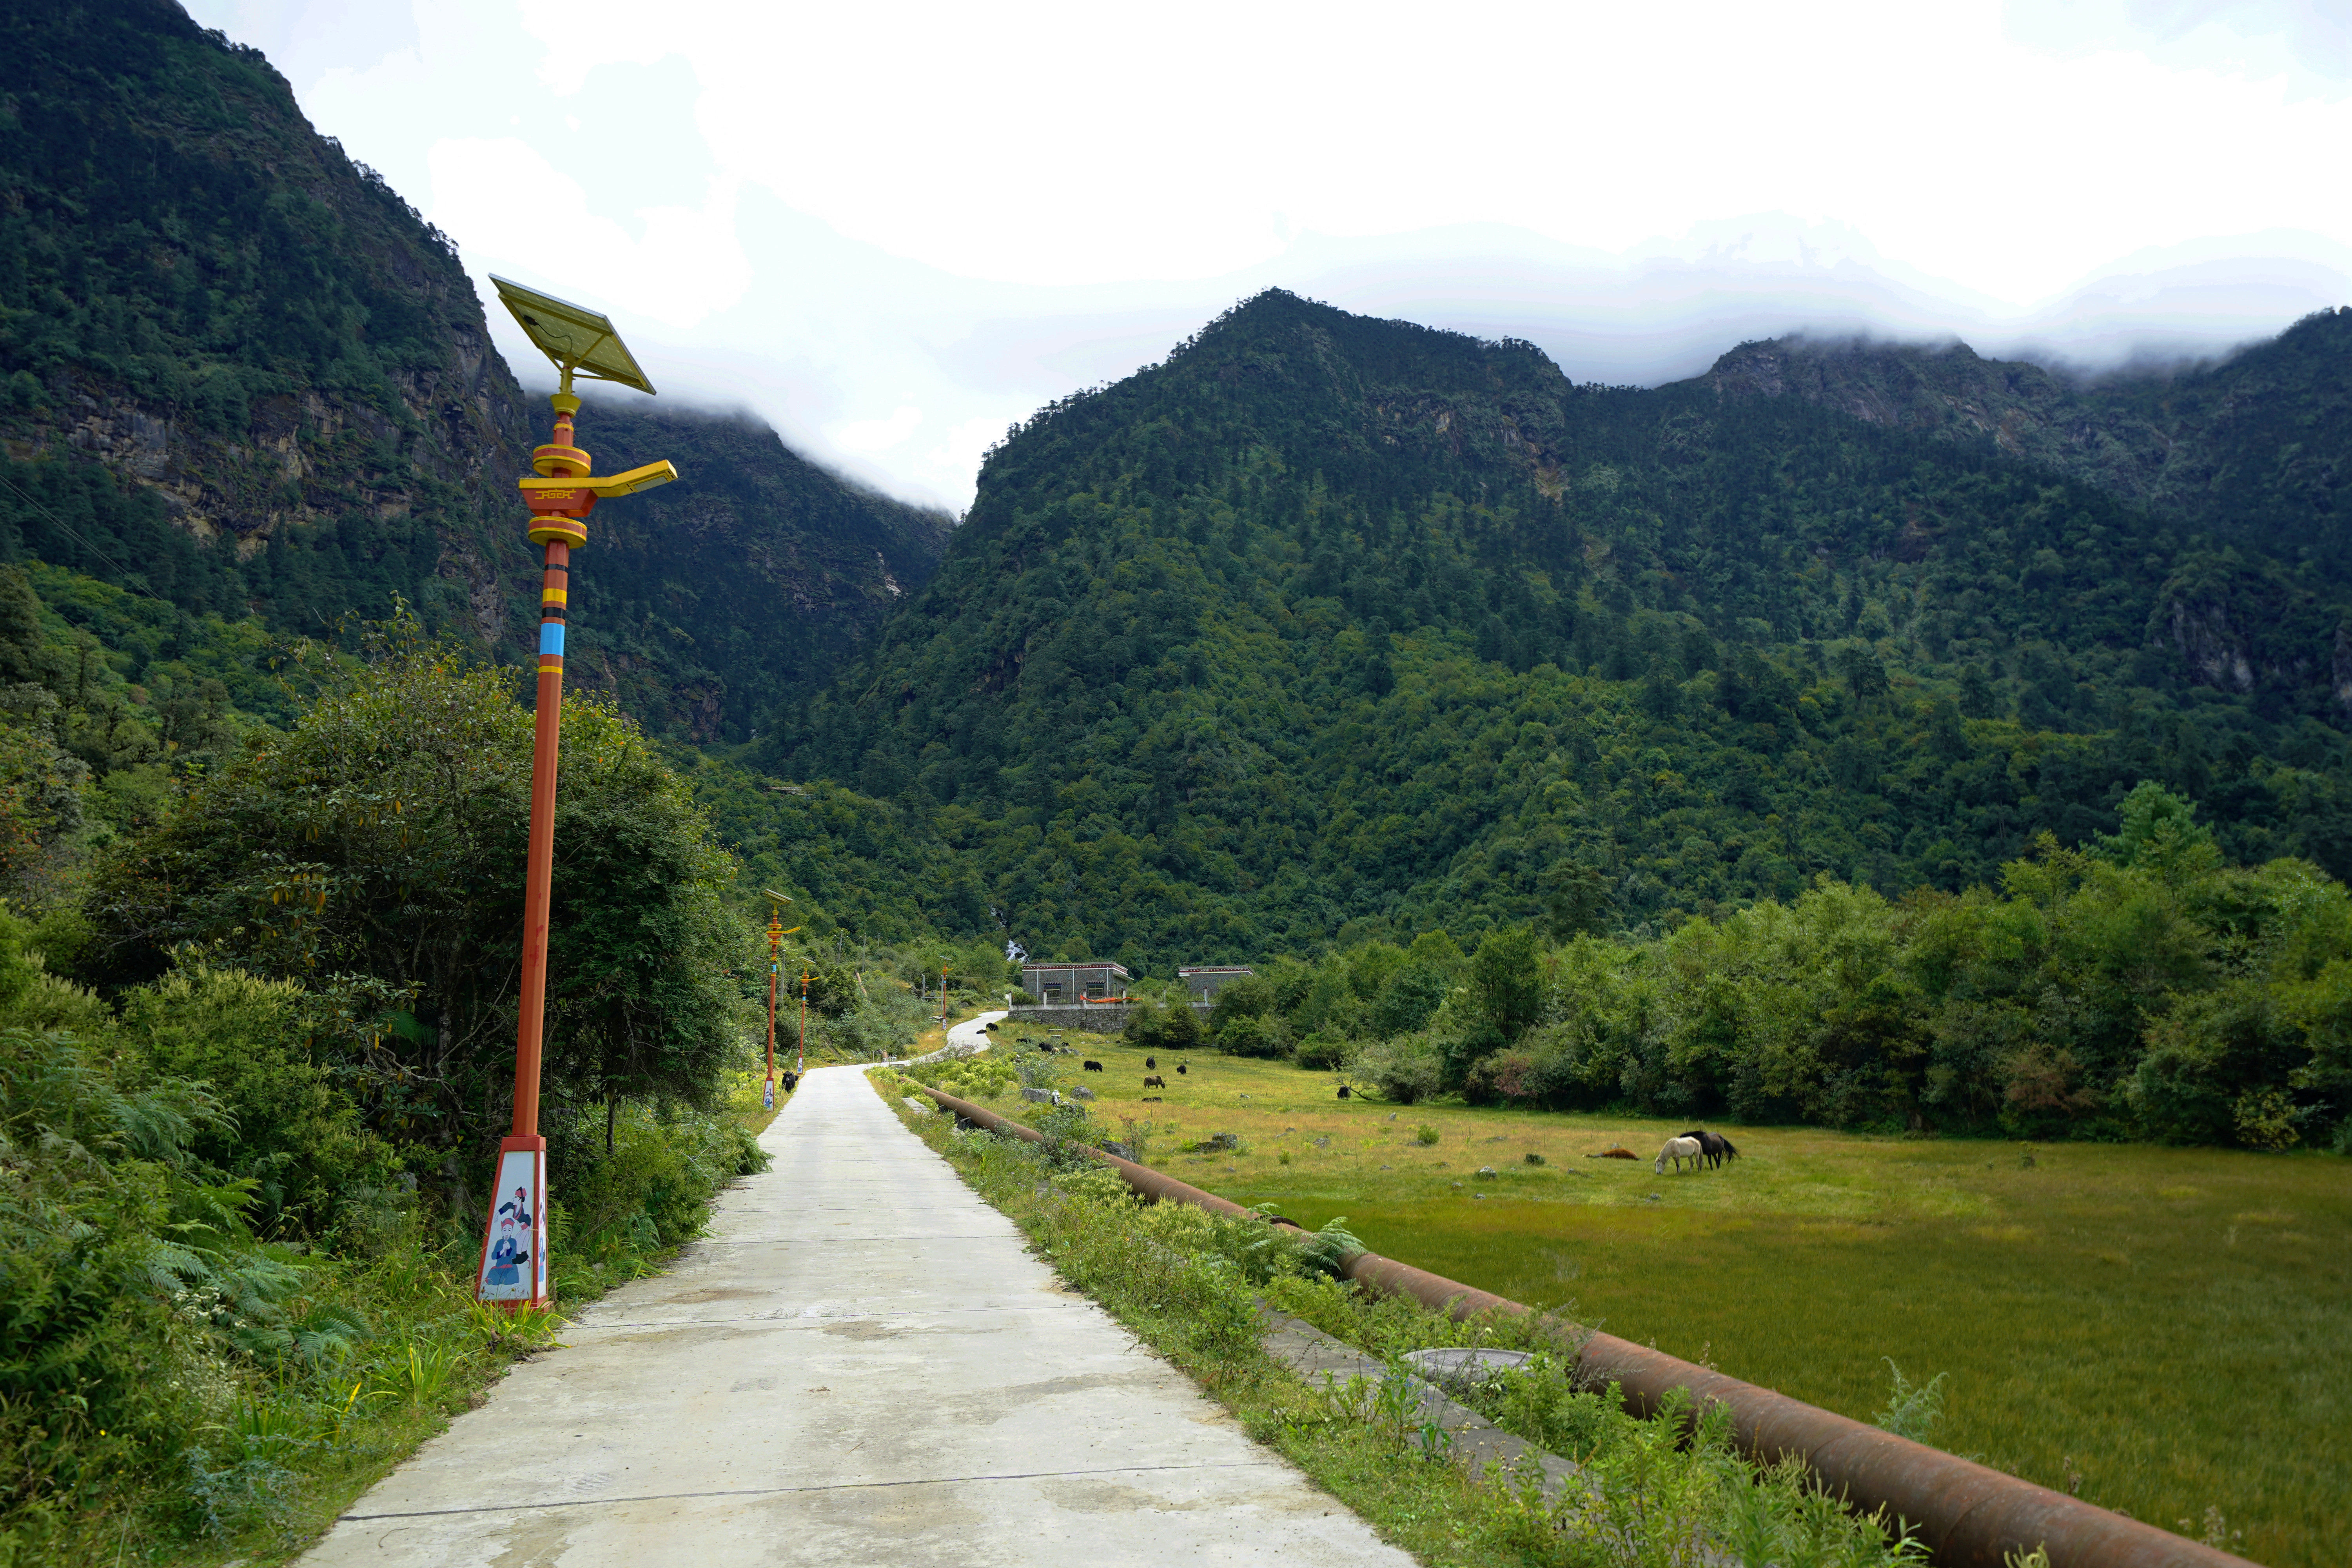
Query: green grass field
2166, 1330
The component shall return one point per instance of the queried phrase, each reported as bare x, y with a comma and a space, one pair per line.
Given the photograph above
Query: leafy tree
375, 853
1504, 975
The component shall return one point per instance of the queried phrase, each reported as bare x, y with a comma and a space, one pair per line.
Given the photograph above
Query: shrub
1321, 1052
1159, 1027
1250, 1036
289, 1127
1405, 1070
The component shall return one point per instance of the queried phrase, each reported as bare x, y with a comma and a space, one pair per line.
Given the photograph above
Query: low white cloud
957, 212
878, 435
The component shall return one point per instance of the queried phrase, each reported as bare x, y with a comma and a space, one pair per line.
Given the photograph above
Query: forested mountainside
735, 589
1329, 624
2251, 448
237, 370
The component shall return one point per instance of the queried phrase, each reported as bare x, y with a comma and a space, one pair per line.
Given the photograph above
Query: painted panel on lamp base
768, 1100
514, 1246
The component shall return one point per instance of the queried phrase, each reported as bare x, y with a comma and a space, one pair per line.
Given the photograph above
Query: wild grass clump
1189, 1283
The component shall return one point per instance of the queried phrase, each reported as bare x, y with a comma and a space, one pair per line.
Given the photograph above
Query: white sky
892, 231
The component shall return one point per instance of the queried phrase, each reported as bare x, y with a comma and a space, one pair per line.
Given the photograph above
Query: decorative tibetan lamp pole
776, 934
804, 980
581, 343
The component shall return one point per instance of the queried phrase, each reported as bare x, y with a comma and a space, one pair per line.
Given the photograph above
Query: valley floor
2159, 1330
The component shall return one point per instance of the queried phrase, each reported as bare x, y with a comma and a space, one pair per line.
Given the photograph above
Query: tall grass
2155, 1330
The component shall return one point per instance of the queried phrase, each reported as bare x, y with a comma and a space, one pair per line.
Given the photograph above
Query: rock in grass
1040, 1095
1082, 1093
1459, 1369
1484, 1171
919, 1107
1535, 1159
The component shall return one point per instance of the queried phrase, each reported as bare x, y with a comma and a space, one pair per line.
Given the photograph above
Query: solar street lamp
776, 934
581, 344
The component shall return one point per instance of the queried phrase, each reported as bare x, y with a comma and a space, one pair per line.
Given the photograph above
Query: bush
655, 1189
1404, 1070
107, 1221
290, 1128
1251, 996
1159, 1027
1321, 1052
1250, 1036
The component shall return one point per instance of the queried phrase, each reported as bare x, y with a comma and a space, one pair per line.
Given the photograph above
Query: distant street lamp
776, 934
581, 343
803, 1058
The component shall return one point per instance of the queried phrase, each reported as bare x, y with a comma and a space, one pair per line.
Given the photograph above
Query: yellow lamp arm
607, 485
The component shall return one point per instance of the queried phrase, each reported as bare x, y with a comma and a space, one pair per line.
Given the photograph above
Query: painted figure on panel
507, 1254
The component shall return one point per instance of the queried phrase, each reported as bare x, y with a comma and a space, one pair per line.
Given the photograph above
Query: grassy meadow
2163, 1330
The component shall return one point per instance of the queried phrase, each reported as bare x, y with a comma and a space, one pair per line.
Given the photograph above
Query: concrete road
860, 1364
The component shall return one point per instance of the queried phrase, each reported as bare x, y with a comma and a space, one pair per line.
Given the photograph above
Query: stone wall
1108, 1019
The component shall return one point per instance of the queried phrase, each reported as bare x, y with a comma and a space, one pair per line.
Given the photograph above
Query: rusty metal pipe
1968, 1515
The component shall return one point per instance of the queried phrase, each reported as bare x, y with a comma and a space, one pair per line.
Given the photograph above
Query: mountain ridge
2208, 441
1324, 621
276, 357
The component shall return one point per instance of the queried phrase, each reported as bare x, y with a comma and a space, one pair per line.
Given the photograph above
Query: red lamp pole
514, 1241
775, 963
803, 1059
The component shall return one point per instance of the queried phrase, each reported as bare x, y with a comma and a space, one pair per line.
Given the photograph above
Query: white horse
1678, 1150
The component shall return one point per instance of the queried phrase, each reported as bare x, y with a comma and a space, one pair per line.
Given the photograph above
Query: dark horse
1714, 1147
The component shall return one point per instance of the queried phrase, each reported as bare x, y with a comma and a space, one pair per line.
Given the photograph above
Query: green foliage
651, 1193
1163, 1026
1911, 1409
2151, 992
288, 1125
375, 853
1331, 626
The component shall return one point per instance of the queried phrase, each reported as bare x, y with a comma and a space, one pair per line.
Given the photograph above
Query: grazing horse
1155, 1082
1045, 1050
1678, 1150
1713, 1145
1094, 1067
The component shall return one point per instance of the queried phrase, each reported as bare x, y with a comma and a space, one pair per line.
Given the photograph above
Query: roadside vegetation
1192, 1291
255, 1050
2098, 1311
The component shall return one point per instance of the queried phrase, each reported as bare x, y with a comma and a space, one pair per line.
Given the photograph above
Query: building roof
1103, 963
1215, 969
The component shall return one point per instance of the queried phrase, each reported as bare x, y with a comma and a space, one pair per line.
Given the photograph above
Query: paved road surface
860, 1364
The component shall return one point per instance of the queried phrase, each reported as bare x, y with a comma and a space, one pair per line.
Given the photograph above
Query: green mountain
238, 371
709, 600
2250, 447
1328, 628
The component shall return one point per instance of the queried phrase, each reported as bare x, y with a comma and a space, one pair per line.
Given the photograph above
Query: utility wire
134, 579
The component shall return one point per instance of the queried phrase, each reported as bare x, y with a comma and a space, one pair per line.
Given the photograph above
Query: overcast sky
892, 231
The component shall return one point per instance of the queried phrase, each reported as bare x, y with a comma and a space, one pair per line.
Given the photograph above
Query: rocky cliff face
261, 337
2258, 447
